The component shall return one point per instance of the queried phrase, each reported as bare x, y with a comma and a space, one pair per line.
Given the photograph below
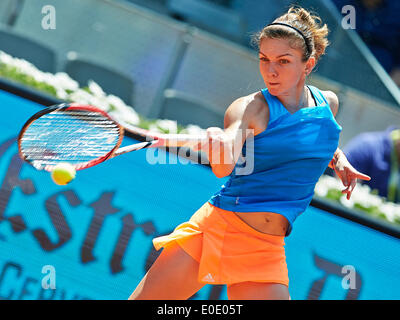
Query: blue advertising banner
333, 258
92, 239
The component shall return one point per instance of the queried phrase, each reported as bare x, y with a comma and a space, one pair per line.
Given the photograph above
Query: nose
272, 70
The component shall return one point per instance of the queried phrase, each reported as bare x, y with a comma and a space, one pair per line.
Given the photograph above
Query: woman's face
281, 66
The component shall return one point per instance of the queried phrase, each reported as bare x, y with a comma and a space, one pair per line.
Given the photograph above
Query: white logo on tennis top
208, 277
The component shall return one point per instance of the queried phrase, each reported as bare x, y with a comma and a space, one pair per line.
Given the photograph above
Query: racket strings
70, 136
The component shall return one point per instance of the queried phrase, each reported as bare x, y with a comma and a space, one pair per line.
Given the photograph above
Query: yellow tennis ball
63, 173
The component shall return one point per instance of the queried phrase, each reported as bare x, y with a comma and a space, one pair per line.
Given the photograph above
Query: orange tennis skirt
228, 249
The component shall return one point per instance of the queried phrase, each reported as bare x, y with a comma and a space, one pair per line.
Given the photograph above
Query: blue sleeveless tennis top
288, 159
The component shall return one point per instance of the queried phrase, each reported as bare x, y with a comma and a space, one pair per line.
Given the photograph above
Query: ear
310, 64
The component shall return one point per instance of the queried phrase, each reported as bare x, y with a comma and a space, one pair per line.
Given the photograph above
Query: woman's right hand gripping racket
83, 136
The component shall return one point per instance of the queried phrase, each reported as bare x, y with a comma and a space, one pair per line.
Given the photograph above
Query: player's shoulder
251, 104
332, 99
247, 108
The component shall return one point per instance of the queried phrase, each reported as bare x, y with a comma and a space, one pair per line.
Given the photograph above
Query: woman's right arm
224, 146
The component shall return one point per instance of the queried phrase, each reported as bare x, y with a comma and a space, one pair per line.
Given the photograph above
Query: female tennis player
237, 237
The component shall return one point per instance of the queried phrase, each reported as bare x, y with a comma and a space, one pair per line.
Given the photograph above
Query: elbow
221, 175
222, 172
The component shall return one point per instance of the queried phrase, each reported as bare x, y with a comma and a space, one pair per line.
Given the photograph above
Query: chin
273, 90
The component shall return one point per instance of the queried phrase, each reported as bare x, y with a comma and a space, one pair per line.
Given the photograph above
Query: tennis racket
83, 136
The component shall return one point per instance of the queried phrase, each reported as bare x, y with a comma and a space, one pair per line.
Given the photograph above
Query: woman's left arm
339, 163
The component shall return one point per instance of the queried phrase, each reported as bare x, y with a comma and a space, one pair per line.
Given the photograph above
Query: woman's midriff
265, 222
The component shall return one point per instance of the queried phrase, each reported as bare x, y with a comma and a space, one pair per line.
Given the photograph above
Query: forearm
219, 154
226, 154
221, 160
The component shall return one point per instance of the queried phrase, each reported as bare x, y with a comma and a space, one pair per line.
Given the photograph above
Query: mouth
273, 83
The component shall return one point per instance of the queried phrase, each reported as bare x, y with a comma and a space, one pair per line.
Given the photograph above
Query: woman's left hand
348, 174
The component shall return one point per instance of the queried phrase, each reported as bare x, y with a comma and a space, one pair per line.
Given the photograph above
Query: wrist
335, 159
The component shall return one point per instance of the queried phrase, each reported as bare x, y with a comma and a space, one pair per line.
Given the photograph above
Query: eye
284, 61
263, 59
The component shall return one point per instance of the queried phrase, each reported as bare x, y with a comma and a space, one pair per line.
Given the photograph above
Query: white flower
117, 102
169, 125
61, 94
25, 67
131, 116
100, 102
122, 111
391, 210
330, 182
47, 78
96, 89
347, 203
64, 81
326, 183
321, 189
154, 128
195, 130
80, 96
5, 58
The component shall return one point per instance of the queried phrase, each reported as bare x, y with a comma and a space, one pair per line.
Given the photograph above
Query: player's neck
295, 99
